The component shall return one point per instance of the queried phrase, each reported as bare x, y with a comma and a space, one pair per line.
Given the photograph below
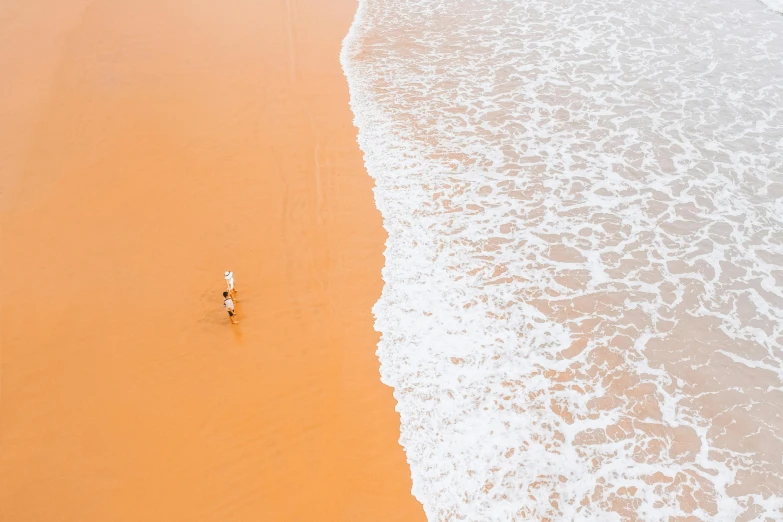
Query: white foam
582, 300
776, 5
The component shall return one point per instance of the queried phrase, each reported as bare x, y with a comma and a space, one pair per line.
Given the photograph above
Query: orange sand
145, 147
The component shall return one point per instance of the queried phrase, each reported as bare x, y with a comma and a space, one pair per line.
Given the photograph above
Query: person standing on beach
229, 305
229, 276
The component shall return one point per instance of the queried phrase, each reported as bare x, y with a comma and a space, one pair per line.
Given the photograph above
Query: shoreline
152, 146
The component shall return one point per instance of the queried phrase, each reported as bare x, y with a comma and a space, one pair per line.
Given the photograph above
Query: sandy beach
146, 147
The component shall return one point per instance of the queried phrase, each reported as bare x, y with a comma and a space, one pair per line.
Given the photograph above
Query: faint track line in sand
317, 172
318, 191
291, 53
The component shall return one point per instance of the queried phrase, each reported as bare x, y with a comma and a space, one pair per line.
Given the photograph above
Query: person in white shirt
229, 305
229, 276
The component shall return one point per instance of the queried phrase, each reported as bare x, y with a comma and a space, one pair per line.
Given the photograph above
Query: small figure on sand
229, 276
229, 304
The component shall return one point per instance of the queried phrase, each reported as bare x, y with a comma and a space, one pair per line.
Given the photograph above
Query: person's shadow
237, 328
238, 335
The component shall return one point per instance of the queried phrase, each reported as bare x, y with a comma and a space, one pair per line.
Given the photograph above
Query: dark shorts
231, 313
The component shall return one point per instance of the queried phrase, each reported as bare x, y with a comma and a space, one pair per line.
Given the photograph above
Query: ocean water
582, 316
776, 5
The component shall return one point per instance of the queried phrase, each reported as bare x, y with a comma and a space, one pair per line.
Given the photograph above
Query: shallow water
583, 310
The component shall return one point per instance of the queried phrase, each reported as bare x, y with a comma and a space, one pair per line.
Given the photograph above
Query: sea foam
582, 316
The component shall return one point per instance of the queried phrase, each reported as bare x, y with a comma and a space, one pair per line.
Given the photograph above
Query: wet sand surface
146, 147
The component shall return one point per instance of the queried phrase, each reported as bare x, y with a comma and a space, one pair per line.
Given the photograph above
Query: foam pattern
582, 316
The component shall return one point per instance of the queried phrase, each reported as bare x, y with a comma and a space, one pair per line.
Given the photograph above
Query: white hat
228, 274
